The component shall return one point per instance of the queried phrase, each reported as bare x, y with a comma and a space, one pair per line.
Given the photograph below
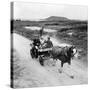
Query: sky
36, 11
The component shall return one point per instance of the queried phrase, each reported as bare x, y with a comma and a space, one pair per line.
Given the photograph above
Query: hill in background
55, 18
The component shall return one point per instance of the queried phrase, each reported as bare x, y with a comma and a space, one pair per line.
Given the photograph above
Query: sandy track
34, 75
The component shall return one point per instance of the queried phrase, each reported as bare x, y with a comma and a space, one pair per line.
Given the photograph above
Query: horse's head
72, 51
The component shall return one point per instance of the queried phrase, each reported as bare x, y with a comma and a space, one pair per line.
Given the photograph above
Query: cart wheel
31, 53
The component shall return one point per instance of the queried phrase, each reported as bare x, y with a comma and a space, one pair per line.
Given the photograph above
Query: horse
64, 54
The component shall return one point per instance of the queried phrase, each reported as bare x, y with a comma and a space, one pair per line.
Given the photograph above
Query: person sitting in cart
48, 43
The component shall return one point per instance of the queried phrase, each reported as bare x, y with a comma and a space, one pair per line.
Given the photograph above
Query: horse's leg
62, 64
70, 69
41, 61
61, 69
54, 62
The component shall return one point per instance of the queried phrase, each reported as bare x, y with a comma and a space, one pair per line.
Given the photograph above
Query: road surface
32, 74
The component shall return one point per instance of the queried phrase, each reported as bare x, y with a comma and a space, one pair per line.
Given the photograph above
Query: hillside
56, 18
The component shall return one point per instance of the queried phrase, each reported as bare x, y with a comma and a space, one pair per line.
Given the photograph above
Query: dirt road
32, 74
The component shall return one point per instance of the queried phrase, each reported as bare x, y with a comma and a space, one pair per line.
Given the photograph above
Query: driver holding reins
48, 43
